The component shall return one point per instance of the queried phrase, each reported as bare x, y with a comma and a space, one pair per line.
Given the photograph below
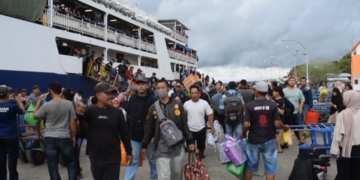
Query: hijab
337, 100
352, 101
338, 85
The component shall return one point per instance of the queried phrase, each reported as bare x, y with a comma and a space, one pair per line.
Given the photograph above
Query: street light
305, 53
279, 65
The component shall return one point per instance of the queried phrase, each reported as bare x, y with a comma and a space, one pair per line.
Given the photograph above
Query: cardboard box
190, 80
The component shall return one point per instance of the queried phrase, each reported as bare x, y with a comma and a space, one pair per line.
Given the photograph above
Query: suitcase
307, 151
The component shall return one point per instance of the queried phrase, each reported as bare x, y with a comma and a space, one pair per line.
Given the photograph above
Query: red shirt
129, 73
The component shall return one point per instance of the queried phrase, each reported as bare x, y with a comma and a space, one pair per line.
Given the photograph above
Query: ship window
148, 62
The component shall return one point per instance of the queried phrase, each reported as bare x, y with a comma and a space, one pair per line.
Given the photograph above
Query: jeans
132, 168
268, 150
233, 129
306, 108
9, 149
76, 149
54, 146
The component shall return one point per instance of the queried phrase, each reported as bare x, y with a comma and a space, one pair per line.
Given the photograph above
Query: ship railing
68, 22
146, 46
181, 38
121, 38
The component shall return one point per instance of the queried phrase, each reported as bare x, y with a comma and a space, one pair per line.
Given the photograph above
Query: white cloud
227, 73
241, 34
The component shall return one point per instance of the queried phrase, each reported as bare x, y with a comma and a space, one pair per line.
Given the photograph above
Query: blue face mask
162, 94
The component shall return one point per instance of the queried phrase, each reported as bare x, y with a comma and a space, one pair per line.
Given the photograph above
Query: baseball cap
141, 78
104, 87
261, 86
3, 90
178, 85
23, 90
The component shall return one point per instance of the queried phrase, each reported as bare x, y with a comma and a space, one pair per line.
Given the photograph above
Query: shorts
200, 138
269, 152
297, 119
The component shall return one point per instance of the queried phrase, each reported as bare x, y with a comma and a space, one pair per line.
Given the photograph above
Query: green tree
318, 70
344, 65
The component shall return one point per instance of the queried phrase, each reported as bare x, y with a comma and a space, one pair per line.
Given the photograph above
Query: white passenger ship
37, 37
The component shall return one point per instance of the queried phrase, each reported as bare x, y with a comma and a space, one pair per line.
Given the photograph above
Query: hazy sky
235, 36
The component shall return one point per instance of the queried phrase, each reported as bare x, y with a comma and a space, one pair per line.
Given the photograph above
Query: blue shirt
8, 120
230, 91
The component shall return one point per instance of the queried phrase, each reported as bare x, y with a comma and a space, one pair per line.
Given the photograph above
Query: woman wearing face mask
336, 105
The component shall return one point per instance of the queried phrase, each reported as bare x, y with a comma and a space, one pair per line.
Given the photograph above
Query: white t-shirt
196, 112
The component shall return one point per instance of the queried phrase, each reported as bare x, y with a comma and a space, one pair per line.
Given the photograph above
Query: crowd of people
140, 116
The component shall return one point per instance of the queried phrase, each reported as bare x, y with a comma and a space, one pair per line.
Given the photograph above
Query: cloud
242, 34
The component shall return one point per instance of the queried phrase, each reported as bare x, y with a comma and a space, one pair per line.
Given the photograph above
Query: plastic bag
286, 137
123, 157
235, 151
223, 157
218, 130
211, 141
239, 171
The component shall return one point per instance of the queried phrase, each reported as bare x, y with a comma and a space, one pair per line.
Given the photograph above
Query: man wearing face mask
138, 106
169, 160
106, 129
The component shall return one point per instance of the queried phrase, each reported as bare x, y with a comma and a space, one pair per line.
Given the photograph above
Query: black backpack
122, 69
289, 108
233, 109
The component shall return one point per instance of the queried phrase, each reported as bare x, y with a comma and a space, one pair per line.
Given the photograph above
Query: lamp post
305, 53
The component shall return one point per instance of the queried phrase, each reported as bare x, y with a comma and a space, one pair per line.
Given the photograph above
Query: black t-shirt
261, 113
205, 97
281, 105
105, 128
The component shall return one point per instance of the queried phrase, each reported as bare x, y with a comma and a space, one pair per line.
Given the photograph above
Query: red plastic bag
312, 117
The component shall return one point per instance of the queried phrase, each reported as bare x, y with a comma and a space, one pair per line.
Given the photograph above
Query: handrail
116, 77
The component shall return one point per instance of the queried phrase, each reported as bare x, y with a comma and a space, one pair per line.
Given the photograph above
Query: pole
295, 62
307, 59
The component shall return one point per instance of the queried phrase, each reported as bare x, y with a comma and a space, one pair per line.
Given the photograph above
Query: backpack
233, 109
168, 129
122, 69
289, 108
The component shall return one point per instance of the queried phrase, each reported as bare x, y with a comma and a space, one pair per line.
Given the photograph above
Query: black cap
36, 87
23, 90
104, 87
141, 78
3, 90
198, 83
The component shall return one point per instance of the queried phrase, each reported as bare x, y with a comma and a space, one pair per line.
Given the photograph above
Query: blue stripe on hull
26, 80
